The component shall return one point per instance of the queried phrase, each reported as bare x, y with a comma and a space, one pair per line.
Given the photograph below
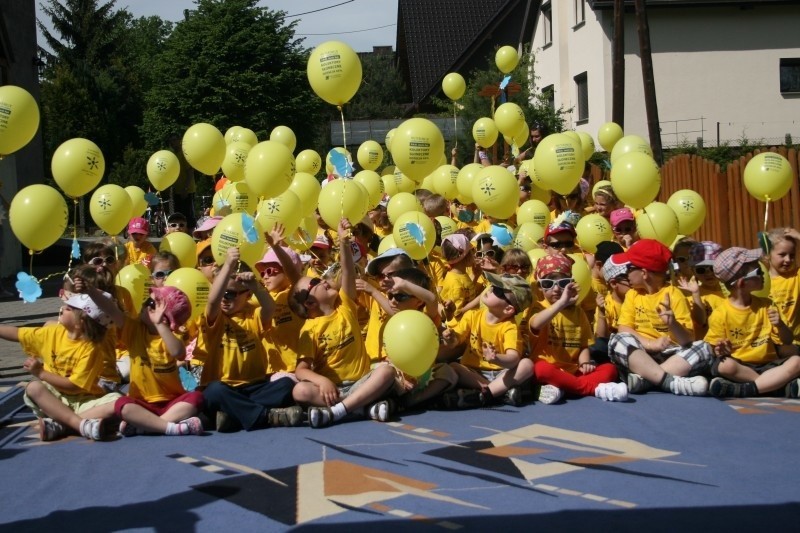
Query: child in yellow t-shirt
139, 250
493, 364
784, 290
243, 393
333, 366
459, 287
753, 347
703, 289
655, 343
65, 360
562, 361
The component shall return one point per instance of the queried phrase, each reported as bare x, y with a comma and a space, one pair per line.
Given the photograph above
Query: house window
790, 75
582, 91
549, 96
547, 23
580, 11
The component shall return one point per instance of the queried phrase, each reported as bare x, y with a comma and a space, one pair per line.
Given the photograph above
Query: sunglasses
627, 228
206, 261
632, 268
385, 275
174, 225
313, 282
100, 261
548, 284
517, 268
232, 295
561, 245
149, 303
681, 259
525, 188
501, 293
702, 270
488, 253
272, 271
398, 297
161, 274
756, 273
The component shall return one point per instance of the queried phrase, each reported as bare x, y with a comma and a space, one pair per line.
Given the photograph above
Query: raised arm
275, 240
346, 260
220, 284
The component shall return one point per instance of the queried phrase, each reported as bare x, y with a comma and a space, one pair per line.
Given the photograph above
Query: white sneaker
550, 394
694, 386
637, 384
612, 392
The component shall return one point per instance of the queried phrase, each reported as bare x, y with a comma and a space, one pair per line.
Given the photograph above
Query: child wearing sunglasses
243, 392
655, 345
753, 348
138, 249
162, 265
623, 225
562, 333
703, 289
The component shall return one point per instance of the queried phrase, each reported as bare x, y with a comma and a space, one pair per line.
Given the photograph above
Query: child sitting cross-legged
493, 364
333, 366
562, 362
753, 346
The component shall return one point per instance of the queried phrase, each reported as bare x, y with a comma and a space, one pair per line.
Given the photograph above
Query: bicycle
156, 215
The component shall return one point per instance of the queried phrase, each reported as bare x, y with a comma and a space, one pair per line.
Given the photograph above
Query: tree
382, 90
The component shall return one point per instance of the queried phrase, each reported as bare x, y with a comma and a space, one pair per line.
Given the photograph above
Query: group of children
297, 339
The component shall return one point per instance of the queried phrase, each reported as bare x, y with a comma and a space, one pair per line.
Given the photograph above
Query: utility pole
651, 105
618, 69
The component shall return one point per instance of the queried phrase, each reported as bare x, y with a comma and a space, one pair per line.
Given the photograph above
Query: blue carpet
655, 463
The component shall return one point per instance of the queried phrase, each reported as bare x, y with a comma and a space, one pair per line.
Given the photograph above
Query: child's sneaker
320, 417
50, 430
191, 426
513, 397
637, 384
287, 417
612, 392
793, 389
129, 430
226, 423
725, 388
693, 386
550, 394
381, 411
92, 428
463, 399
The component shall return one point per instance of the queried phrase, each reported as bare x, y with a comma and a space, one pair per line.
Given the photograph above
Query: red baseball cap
648, 254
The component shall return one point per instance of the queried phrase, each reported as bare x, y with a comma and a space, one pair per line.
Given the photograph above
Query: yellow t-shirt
711, 298
80, 361
639, 312
436, 269
784, 292
751, 333
561, 341
154, 373
236, 354
474, 328
377, 321
280, 341
599, 286
613, 309
141, 255
332, 344
460, 289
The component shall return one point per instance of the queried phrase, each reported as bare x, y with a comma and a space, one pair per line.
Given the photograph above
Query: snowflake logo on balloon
687, 205
161, 165
488, 188
92, 162
273, 207
104, 202
240, 157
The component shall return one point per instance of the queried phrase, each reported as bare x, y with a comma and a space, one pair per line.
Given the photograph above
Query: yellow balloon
582, 275
509, 118
135, 279
454, 86
599, 184
303, 237
245, 135
373, 183
636, 179
558, 162
370, 155
398, 182
506, 59
764, 291
38, 215
445, 181
307, 189
527, 236
388, 170
183, 246
466, 177
411, 341
608, 135
449, 226
630, 144
534, 211
587, 145
163, 168
496, 192
342, 198
229, 134
235, 160
768, 176
238, 196
334, 72
194, 284
204, 147
401, 203
592, 230
534, 255
417, 147
330, 168
657, 221
138, 202
111, 208
414, 232
77, 166
690, 208
309, 161
285, 209
269, 169
388, 140
285, 136
522, 136
484, 131
20, 119
238, 230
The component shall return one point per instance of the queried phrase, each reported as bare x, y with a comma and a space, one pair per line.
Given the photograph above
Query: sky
379, 17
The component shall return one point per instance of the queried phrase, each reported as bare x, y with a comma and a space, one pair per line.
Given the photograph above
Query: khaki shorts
76, 402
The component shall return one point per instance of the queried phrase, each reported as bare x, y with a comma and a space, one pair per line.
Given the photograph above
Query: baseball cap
178, 309
621, 215
320, 241
606, 249
139, 225
272, 257
561, 226
201, 246
85, 303
206, 224
648, 254
704, 253
516, 285
554, 264
728, 264
372, 266
614, 267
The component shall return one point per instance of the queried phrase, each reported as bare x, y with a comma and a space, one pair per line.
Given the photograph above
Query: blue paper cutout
249, 228
151, 198
76, 249
341, 165
502, 234
188, 380
416, 232
504, 83
28, 287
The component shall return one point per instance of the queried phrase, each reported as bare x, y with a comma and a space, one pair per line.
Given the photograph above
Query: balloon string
75, 230
116, 247
455, 123
344, 131
766, 215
